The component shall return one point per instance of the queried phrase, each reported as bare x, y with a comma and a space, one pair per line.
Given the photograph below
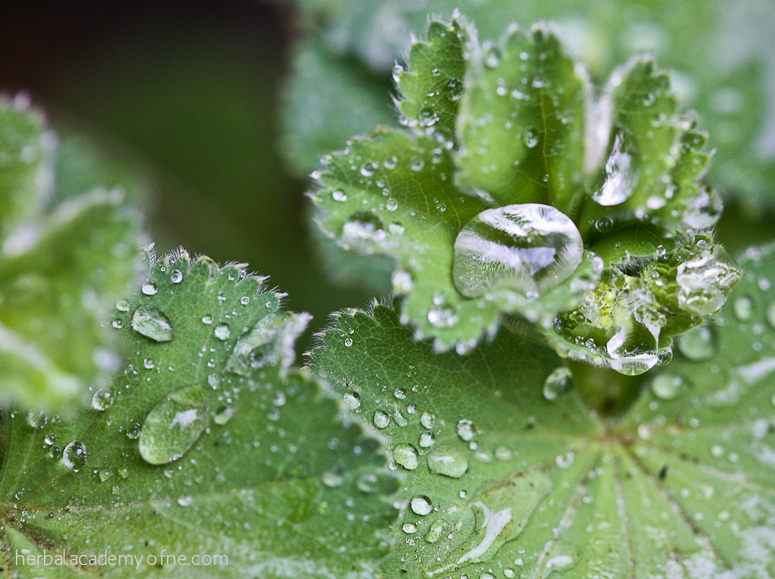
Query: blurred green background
191, 89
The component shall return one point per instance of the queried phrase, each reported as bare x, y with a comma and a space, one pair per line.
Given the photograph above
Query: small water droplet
409, 528
103, 399
668, 386
743, 308
428, 419
406, 455
466, 430
149, 288
363, 229
223, 415
176, 276
333, 480
74, 455
447, 461
530, 138
352, 399
706, 280
421, 505
348, 342
621, 171
698, 344
122, 306
529, 248
436, 532
152, 323
559, 382
207, 319
186, 501
704, 209
426, 440
367, 169
174, 425
222, 332
381, 420
339, 196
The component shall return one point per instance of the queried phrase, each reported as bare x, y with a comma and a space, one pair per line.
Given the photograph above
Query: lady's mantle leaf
495, 197
206, 443
508, 475
61, 267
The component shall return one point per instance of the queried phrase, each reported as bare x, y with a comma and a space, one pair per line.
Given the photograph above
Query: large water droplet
74, 455
103, 399
174, 425
428, 419
706, 280
152, 323
559, 382
448, 461
529, 248
381, 420
406, 455
698, 344
621, 171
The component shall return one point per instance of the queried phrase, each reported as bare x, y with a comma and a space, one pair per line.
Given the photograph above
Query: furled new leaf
207, 444
720, 50
495, 198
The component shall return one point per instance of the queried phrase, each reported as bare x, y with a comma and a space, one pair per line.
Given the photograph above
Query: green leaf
416, 225
522, 123
184, 457
62, 266
507, 474
431, 88
326, 102
540, 172
720, 51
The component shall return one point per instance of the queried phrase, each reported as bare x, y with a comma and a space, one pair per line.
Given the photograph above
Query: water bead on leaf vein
529, 248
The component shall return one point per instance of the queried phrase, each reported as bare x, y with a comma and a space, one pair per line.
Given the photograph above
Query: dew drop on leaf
74, 455
529, 248
381, 420
149, 288
174, 425
222, 332
421, 505
705, 281
223, 415
621, 171
362, 229
704, 209
698, 344
176, 276
427, 419
436, 531
559, 382
466, 430
743, 308
530, 138
668, 386
103, 398
332, 480
448, 461
406, 455
352, 399
152, 323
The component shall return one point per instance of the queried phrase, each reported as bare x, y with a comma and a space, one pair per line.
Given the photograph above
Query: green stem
606, 392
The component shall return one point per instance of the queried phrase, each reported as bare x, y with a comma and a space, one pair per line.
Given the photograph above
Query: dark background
191, 88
